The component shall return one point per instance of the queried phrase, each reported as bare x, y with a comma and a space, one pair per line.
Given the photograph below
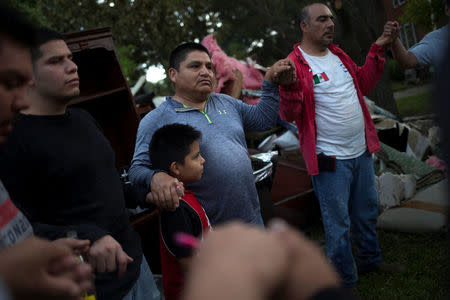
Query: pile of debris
411, 178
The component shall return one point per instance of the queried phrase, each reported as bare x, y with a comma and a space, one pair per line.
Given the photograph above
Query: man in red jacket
337, 137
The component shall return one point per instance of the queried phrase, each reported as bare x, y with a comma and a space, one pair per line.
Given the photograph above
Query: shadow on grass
425, 257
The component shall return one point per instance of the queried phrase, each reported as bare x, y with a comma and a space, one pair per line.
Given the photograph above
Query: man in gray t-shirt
429, 51
227, 189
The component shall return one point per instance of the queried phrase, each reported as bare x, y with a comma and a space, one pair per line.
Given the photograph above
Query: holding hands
165, 191
390, 33
283, 72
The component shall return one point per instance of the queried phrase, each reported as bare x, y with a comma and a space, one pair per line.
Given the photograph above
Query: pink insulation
224, 65
437, 163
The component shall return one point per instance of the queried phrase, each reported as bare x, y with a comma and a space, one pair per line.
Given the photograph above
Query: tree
264, 29
425, 13
273, 24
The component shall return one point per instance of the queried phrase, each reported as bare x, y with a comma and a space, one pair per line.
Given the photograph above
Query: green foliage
395, 72
31, 10
129, 66
419, 12
266, 30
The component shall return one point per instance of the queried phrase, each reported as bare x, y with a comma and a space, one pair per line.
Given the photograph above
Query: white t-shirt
339, 117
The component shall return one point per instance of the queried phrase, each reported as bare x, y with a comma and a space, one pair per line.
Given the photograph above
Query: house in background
409, 34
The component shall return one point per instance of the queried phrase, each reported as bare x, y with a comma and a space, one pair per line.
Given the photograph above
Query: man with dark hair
67, 166
44, 35
227, 190
429, 51
179, 54
32, 268
337, 137
175, 149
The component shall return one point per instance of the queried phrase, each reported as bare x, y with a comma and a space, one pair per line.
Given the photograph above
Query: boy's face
192, 169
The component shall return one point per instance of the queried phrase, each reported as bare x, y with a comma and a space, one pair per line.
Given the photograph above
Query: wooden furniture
292, 192
104, 89
105, 94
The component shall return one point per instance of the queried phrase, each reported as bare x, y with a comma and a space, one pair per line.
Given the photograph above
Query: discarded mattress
392, 189
412, 220
427, 211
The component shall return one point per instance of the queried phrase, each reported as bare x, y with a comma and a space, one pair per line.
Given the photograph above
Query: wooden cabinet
105, 93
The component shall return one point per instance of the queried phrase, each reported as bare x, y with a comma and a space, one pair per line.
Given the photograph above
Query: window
396, 3
408, 35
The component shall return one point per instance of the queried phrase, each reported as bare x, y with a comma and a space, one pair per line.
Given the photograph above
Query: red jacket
172, 275
297, 100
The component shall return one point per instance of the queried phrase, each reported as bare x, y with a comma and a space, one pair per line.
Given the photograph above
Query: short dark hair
304, 15
171, 143
43, 35
16, 27
179, 54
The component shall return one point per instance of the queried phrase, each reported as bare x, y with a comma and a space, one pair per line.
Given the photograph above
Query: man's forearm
140, 175
404, 58
267, 107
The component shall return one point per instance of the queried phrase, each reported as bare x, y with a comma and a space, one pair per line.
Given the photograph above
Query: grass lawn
399, 86
415, 105
426, 260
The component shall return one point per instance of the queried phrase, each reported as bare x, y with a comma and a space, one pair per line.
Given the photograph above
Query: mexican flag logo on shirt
319, 78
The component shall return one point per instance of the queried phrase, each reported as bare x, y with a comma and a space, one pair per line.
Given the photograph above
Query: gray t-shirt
14, 226
227, 189
431, 49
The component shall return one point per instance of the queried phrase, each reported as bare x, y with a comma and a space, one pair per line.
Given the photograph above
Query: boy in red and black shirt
175, 149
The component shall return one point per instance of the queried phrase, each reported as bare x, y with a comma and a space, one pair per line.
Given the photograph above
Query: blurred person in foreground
67, 165
243, 262
30, 267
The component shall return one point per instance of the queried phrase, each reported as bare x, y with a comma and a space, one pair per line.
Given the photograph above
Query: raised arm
404, 58
264, 115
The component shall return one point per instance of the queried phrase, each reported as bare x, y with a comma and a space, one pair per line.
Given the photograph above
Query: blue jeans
259, 220
145, 286
349, 202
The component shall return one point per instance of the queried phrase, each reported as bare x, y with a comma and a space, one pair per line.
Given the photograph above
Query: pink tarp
224, 65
